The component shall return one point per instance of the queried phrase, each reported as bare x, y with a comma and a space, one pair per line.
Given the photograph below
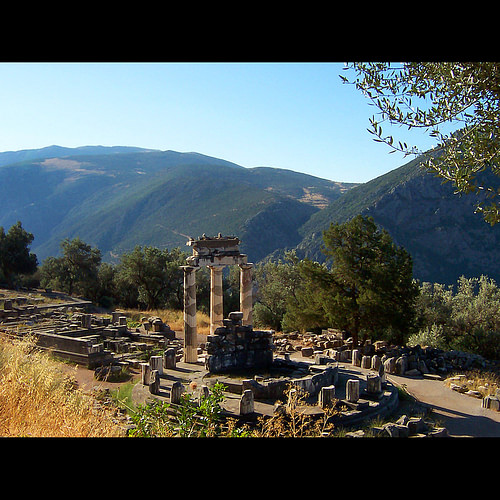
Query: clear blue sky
297, 116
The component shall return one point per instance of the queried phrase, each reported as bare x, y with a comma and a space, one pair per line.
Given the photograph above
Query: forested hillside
437, 227
117, 198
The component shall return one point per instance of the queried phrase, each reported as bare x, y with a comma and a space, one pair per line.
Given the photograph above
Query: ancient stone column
366, 362
86, 320
216, 298
176, 392
154, 383
247, 402
373, 383
390, 365
156, 363
327, 396
352, 390
375, 363
204, 392
356, 357
190, 336
145, 373
169, 359
402, 364
246, 293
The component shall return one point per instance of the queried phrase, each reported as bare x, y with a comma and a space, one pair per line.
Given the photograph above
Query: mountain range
115, 198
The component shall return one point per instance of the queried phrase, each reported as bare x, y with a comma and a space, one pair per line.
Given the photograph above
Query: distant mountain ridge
8, 157
421, 213
118, 197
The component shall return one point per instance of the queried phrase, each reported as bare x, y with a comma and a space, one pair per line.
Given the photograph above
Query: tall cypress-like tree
368, 287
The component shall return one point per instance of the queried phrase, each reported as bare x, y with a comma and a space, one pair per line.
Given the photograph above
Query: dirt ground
87, 381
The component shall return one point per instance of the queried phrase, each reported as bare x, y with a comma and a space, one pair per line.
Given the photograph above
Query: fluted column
246, 293
216, 298
190, 334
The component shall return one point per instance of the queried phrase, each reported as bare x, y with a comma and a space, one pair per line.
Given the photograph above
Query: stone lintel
214, 260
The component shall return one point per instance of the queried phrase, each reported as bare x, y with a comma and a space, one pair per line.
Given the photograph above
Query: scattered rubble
61, 325
408, 361
404, 427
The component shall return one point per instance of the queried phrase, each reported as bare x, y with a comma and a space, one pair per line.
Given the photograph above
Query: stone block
491, 403
176, 392
307, 352
352, 390
247, 402
327, 396
416, 425
396, 430
154, 383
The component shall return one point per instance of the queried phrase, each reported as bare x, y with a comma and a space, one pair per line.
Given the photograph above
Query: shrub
430, 336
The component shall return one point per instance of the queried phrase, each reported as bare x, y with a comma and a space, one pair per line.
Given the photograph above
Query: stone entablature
218, 251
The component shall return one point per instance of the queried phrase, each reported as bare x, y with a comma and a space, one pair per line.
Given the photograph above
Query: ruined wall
236, 347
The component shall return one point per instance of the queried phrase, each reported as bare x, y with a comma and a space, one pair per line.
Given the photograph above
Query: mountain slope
438, 228
116, 198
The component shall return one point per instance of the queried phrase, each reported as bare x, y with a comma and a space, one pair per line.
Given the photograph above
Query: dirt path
462, 415
86, 380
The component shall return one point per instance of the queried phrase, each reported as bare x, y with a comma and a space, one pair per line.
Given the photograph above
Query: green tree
106, 291
465, 316
76, 271
15, 257
231, 289
276, 283
436, 96
368, 287
155, 274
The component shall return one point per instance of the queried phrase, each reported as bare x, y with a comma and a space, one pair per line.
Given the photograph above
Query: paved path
462, 415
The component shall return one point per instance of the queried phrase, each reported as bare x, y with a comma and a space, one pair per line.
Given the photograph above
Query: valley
115, 198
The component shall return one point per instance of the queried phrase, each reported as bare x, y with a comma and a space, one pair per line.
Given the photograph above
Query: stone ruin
66, 330
232, 344
238, 347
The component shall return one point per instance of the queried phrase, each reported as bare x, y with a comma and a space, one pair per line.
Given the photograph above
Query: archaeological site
257, 367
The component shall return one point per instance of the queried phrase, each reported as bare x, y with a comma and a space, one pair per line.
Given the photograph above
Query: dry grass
173, 318
38, 400
484, 382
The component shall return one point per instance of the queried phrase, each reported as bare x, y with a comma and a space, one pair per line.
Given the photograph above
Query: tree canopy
76, 271
367, 288
433, 95
15, 257
154, 274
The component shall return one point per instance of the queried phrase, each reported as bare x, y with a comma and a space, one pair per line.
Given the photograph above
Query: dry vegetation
173, 318
484, 383
38, 400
